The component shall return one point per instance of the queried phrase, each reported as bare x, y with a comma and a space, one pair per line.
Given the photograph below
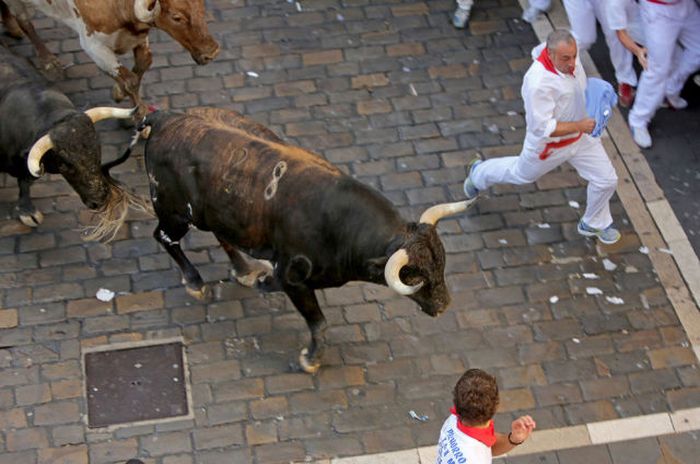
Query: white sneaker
696, 79
641, 136
460, 18
676, 102
531, 14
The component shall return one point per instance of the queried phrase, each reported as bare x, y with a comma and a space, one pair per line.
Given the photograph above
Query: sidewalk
393, 94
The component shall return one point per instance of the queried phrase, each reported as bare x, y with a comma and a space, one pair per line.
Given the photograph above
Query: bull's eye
178, 18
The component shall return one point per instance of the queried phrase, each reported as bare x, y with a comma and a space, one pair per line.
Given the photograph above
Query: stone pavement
394, 95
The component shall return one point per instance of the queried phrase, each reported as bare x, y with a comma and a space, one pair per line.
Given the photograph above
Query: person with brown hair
468, 434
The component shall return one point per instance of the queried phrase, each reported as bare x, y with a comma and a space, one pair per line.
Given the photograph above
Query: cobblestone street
394, 95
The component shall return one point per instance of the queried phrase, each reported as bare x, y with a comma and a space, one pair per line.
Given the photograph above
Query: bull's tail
142, 131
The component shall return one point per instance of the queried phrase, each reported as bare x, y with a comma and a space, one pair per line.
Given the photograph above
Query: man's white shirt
456, 447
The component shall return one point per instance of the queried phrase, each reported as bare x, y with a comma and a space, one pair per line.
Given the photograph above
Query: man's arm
637, 50
520, 430
572, 127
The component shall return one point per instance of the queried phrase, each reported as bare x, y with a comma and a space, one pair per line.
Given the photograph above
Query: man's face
564, 58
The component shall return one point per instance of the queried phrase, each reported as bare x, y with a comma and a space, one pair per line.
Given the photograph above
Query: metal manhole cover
135, 384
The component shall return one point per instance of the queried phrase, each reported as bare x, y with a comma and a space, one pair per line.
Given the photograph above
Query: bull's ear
152, 4
375, 268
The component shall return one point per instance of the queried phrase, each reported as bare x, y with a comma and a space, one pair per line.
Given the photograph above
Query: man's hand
521, 428
641, 55
586, 125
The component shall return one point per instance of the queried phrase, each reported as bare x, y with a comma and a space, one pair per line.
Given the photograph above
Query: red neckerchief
547, 61
485, 435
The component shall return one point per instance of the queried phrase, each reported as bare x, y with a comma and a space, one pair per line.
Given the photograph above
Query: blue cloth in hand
600, 101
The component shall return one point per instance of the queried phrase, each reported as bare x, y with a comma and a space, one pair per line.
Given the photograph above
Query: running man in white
582, 16
665, 22
558, 129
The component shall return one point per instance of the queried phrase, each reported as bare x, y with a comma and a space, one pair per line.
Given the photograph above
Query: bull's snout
209, 55
92, 204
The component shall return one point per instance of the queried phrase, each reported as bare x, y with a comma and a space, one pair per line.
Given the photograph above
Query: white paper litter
644, 250
590, 275
665, 250
576, 340
574, 204
544, 225
104, 295
594, 291
406, 69
413, 90
298, 5
609, 265
512, 113
503, 241
340, 17
614, 300
418, 417
252, 74
553, 299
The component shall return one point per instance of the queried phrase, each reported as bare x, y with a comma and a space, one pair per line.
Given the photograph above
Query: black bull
218, 171
40, 129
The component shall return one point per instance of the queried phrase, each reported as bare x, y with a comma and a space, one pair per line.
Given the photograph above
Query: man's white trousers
587, 156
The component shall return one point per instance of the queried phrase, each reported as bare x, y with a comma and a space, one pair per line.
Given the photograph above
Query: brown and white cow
108, 28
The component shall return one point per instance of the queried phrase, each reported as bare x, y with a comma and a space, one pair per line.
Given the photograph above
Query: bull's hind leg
247, 271
307, 304
169, 236
50, 65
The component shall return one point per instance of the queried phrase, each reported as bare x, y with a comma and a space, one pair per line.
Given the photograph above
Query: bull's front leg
10, 22
306, 303
127, 82
130, 84
169, 236
27, 212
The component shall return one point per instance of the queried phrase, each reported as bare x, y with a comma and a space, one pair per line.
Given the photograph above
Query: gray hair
558, 36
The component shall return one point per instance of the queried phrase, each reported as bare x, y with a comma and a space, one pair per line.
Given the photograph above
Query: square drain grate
135, 384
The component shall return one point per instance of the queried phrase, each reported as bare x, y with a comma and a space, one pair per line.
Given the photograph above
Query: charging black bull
41, 130
220, 172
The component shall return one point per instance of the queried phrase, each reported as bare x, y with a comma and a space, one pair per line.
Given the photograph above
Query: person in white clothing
665, 22
535, 9
464, 7
624, 19
582, 16
557, 130
468, 435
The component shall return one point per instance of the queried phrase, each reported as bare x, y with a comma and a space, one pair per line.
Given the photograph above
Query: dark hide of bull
30, 109
220, 172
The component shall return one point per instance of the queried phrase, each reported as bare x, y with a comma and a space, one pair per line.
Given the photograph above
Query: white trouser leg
523, 169
542, 5
620, 57
661, 35
593, 164
689, 60
582, 20
465, 4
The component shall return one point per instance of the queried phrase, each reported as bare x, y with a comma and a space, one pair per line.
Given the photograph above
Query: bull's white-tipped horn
107, 112
37, 151
391, 274
146, 10
433, 214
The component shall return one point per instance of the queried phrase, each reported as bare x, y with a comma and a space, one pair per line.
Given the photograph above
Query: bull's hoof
31, 219
12, 29
201, 294
306, 364
118, 93
52, 68
261, 271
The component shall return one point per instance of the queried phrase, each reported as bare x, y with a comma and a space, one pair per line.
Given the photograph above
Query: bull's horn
106, 112
391, 274
38, 150
433, 214
146, 10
